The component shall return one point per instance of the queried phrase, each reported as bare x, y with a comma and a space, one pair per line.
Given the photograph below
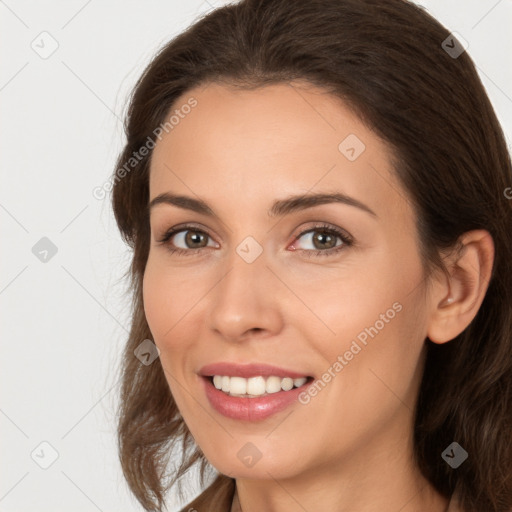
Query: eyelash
324, 228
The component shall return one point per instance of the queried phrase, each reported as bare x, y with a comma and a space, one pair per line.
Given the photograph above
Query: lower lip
250, 409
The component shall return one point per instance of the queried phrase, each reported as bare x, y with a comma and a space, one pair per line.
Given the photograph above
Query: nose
246, 302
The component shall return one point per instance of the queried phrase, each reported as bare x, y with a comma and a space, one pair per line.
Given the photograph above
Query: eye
190, 238
324, 239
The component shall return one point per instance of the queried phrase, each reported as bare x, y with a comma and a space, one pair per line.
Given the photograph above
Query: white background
64, 322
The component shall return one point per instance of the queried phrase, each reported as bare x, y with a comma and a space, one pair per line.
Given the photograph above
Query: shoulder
217, 497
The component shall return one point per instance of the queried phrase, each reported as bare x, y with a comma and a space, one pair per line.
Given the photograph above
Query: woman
316, 196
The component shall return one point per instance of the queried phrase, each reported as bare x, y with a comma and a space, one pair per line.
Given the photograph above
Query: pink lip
248, 370
249, 409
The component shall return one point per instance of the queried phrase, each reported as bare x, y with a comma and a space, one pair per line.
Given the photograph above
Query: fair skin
350, 447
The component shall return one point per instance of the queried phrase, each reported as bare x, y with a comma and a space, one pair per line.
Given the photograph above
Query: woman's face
266, 275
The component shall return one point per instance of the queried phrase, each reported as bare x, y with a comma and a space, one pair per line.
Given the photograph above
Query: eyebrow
279, 208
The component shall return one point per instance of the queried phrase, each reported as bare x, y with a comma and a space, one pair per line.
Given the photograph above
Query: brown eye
186, 240
194, 239
323, 240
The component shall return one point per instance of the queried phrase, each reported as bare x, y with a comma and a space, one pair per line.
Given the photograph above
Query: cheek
376, 317
166, 301
165, 307
173, 302
354, 300
154, 300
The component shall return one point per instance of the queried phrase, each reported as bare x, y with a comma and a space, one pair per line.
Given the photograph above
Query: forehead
275, 140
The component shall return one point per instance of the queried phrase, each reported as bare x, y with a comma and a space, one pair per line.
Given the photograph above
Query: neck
420, 498
367, 481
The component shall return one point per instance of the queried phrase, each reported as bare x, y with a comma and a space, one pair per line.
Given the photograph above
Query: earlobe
457, 297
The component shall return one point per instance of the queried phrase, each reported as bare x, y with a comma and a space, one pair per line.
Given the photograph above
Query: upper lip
248, 370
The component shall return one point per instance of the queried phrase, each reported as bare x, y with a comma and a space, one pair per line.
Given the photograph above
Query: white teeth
299, 382
255, 386
273, 385
287, 384
217, 381
238, 386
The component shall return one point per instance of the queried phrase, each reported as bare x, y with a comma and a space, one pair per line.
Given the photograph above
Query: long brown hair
389, 60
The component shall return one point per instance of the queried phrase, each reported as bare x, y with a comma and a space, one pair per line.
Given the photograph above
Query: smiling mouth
256, 387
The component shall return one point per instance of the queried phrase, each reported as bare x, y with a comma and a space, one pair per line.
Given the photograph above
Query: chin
263, 468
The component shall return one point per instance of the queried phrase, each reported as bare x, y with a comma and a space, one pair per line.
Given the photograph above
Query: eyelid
323, 226
345, 237
168, 233
347, 240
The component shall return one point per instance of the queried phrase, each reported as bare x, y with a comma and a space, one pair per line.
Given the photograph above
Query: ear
457, 295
